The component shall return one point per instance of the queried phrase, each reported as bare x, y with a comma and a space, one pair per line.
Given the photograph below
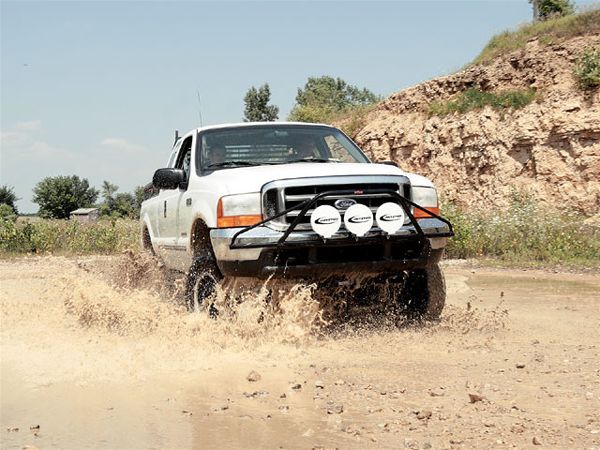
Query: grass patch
548, 31
474, 98
68, 237
524, 234
587, 69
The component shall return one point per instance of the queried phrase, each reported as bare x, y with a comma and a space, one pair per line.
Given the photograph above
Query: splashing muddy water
99, 353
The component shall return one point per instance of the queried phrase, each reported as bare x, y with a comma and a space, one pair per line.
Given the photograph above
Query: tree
325, 97
108, 191
7, 213
547, 9
58, 196
139, 193
257, 105
122, 204
8, 197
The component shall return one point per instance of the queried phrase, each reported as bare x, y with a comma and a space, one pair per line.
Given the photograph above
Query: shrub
7, 212
474, 98
549, 9
523, 233
587, 69
68, 237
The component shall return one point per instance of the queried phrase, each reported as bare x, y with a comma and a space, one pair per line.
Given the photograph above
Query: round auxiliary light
358, 219
325, 220
390, 217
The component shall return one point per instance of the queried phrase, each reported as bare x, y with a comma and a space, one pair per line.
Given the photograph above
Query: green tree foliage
139, 193
8, 197
587, 69
549, 9
257, 105
323, 98
122, 204
7, 213
58, 196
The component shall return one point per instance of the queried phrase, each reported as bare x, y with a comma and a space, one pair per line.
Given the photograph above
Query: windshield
262, 145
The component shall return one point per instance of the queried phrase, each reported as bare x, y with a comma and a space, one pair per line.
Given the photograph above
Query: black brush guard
306, 205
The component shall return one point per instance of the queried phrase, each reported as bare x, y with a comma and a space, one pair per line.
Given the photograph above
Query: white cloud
10, 139
22, 145
31, 125
122, 145
40, 149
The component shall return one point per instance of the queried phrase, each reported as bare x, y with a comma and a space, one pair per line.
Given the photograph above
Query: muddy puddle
98, 353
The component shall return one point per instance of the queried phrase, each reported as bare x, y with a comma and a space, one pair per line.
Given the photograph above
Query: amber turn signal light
235, 221
419, 214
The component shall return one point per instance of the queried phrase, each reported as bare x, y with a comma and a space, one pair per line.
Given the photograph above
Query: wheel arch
199, 237
146, 235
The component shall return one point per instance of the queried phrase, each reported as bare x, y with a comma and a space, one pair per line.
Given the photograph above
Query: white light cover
424, 196
358, 219
325, 220
390, 217
241, 204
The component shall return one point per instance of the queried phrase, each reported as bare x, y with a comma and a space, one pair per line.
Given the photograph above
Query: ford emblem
344, 203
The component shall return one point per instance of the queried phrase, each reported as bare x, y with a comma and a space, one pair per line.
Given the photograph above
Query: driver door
169, 202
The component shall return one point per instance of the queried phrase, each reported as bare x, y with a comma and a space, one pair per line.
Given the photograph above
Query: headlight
238, 210
427, 198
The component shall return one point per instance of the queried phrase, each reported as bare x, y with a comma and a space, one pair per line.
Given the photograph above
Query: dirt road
96, 358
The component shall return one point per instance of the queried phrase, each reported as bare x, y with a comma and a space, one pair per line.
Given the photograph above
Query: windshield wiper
237, 163
311, 159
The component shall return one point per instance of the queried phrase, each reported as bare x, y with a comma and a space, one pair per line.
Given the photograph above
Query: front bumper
260, 251
257, 254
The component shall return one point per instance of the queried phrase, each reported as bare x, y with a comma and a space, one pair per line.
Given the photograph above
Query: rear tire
201, 284
424, 294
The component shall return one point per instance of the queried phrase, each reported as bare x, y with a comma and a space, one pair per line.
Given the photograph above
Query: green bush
587, 69
68, 237
549, 9
7, 212
523, 233
474, 98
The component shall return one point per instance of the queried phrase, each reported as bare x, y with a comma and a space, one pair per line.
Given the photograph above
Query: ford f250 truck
294, 200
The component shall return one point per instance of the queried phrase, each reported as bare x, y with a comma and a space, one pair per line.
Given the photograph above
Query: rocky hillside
549, 148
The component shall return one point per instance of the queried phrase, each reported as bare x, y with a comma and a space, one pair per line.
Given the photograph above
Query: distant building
85, 215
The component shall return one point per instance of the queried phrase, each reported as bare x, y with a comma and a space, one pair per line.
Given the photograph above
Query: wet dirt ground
95, 355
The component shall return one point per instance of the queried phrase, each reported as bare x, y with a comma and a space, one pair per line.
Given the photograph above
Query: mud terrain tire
201, 282
425, 293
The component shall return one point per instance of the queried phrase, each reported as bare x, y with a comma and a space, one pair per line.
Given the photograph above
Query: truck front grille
283, 198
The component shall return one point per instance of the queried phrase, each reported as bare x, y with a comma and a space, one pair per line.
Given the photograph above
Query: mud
97, 352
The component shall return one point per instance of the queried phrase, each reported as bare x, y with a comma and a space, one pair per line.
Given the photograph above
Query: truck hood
251, 179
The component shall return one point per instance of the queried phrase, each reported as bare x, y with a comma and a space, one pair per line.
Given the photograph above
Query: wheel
201, 284
424, 293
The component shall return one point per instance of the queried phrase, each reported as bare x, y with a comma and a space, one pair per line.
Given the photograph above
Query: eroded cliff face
550, 148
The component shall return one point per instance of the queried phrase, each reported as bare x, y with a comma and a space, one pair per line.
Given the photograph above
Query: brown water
99, 354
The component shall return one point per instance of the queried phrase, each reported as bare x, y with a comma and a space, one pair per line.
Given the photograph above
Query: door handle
165, 209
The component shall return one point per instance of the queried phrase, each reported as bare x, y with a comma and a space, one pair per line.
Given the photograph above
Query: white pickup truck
294, 200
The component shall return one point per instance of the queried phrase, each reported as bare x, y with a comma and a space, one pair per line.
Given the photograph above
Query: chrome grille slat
310, 211
285, 194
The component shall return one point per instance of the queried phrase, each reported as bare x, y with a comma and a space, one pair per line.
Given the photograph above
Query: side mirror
388, 162
168, 178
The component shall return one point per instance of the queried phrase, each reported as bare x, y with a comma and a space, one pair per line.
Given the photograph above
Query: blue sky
98, 88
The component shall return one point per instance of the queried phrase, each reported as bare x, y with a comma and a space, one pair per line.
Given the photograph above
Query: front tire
201, 284
424, 294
